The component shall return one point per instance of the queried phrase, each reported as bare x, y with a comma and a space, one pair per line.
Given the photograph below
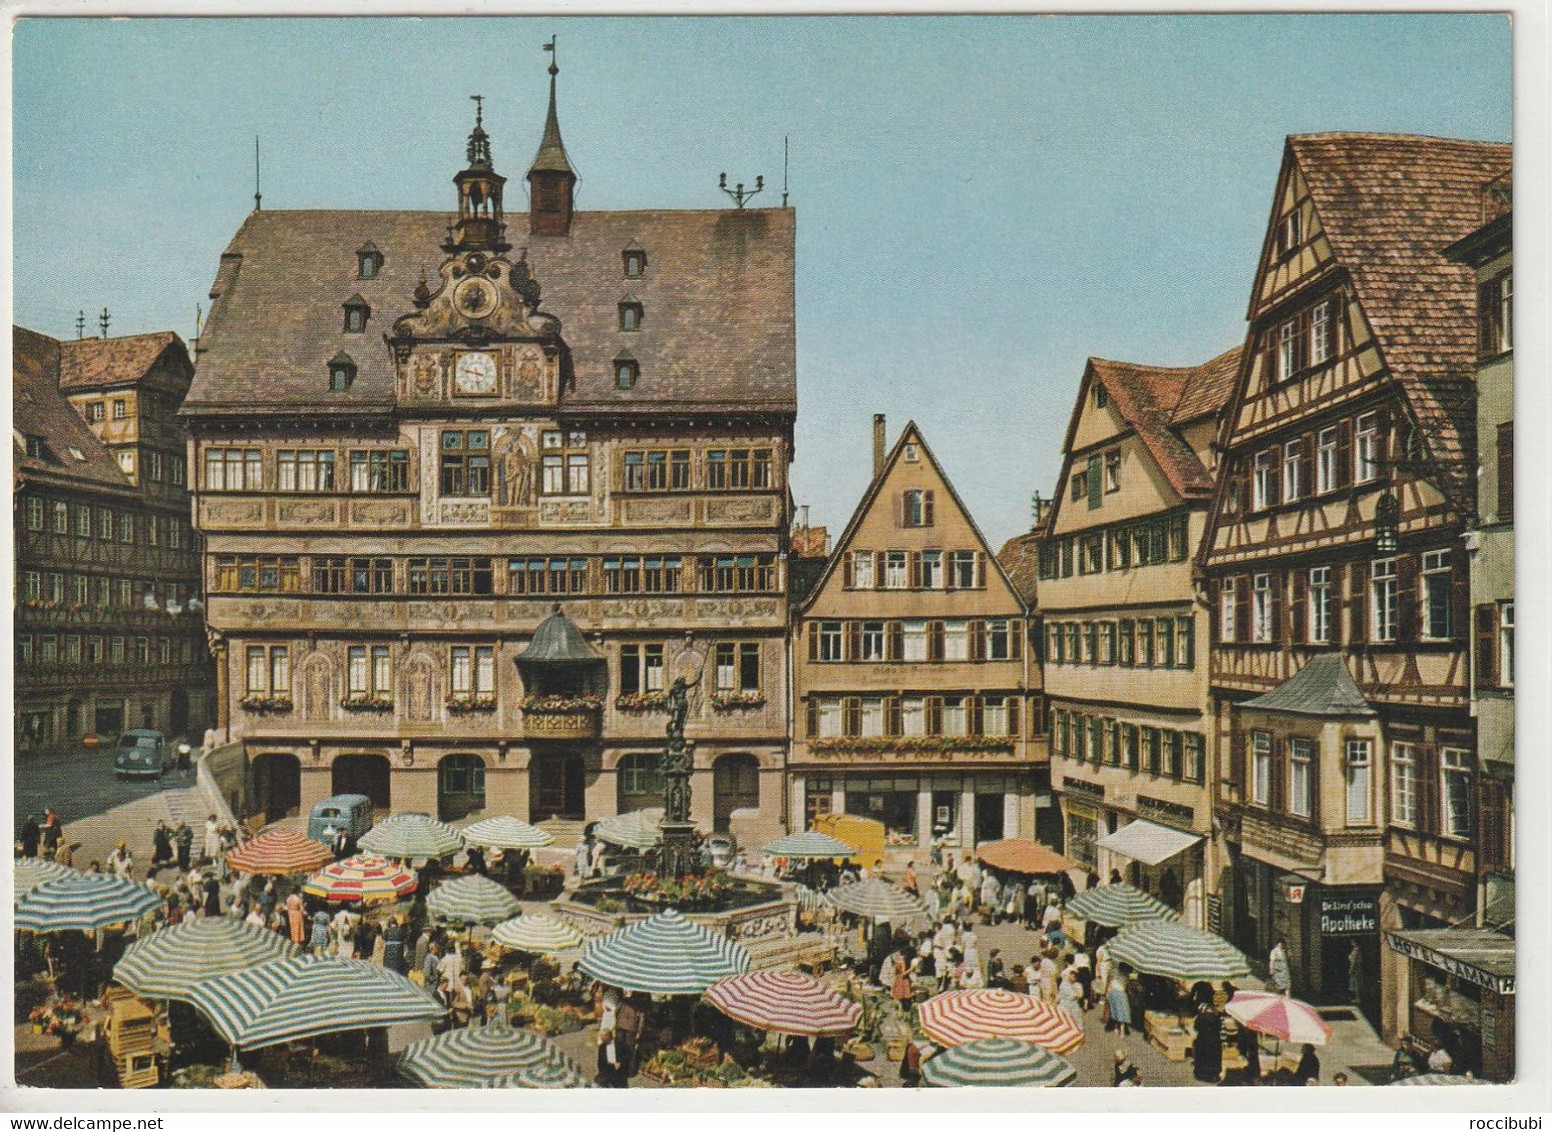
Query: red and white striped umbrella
958, 1016
365, 877
1278, 1016
280, 852
785, 1002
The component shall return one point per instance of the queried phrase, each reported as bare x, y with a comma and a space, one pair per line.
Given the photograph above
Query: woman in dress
1207, 1047
1069, 995
1118, 1003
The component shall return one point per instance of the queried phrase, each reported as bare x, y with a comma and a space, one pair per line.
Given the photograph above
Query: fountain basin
748, 909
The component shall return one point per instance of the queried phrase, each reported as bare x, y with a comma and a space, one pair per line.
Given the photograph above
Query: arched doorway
363, 774
460, 786
735, 785
277, 785
178, 713
557, 785
638, 783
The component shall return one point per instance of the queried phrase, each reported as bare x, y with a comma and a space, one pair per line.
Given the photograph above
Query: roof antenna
80, 325
102, 320
786, 149
258, 197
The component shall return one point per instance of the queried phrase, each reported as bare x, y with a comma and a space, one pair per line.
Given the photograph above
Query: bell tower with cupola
551, 180
480, 227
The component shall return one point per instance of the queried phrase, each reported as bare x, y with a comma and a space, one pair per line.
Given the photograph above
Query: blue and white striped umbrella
83, 902
809, 845
1178, 951
538, 933
288, 999
506, 833
1118, 906
481, 1056
167, 962
29, 872
667, 954
997, 1063
637, 829
408, 837
1447, 1079
472, 899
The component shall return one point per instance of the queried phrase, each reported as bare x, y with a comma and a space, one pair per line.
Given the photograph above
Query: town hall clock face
475, 297
475, 375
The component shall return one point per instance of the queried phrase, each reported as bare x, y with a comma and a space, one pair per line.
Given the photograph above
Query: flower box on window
915, 743
733, 701
367, 703
563, 705
461, 704
642, 702
262, 703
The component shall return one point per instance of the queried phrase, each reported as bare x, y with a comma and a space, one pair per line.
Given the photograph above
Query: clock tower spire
551, 180
479, 226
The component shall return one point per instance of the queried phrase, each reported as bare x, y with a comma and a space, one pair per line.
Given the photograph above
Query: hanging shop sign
1348, 914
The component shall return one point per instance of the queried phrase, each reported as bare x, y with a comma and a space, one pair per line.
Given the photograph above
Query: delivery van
865, 833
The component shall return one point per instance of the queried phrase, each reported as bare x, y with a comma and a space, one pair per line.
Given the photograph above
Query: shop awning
1151, 844
1478, 956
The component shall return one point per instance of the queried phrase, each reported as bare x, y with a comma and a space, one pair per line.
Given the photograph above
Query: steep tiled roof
811, 542
1389, 203
1154, 400
717, 329
1321, 687
40, 409
95, 363
1020, 560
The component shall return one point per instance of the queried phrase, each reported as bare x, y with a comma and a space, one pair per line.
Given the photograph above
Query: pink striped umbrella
1278, 1016
958, 1016
785, 1002
365, 877
280, 852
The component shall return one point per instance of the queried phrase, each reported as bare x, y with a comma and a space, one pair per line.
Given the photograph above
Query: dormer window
627, 370
369, 261
342, 372
36, 448
630, 313
635, 262
356, 313
1101, 397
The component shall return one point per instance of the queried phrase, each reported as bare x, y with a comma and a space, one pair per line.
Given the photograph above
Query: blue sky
982, 202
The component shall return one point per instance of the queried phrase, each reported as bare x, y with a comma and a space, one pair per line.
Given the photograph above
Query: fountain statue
678, 857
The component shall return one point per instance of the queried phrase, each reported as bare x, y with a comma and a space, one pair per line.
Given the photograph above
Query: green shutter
1096, 486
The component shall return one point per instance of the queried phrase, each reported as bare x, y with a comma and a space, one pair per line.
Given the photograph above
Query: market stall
1461, 983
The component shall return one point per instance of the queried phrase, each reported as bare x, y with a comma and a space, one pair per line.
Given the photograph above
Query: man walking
184, 838
30, 835
161, 846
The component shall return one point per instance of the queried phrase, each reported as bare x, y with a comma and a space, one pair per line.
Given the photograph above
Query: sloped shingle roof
557, 640
1322, 687
1020, 560
95, 363
38, 408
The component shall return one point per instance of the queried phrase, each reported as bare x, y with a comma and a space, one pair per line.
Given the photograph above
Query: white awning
1151, 844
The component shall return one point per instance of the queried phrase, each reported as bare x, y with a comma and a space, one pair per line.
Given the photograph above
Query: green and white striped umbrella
488, 1056
83, 902
538, 933
1449, 1080
407, 837
472, 899
635, 830
667, 954
1178, 951
809, 845
506, 833
877, 899
997, 1062
167, 962
1119, 906
288, 999
29, 872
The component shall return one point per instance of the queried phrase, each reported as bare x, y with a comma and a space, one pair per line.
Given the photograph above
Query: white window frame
1318, 629
897, 574
956, 716
862, 569
1261, 480
956, 640
1456, 822
1228, 629
994, 715
1366, 455
1261, 609
1325, 461
1301, 777
1506, 644
1436, 572
1358, 774
832, 642
830, 717
1287, 349
1383, 603
932, 569
1261, 768
872, 717
1403, 785
873, 640
1293, 488
913, 648
1320, 322
913, 716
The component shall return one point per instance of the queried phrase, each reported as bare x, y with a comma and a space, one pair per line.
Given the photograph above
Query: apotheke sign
1348, 915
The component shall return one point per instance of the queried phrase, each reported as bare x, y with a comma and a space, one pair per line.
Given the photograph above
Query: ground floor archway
460, 786
363, 774
735, 785
277, 785
557, 786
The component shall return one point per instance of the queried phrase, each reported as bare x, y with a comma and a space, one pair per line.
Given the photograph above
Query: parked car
351, 812
140, 753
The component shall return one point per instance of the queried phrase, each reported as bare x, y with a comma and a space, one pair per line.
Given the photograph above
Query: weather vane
738, 192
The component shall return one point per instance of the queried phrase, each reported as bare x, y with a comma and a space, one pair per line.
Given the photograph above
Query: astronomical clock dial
475, 376
475, 297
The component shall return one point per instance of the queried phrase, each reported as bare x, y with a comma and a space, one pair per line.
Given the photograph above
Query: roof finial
551, 157
479, 110
479, 140
258, 197
554, 58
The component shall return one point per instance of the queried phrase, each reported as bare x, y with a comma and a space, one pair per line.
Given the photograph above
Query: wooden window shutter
851, 711
1279, 792
1301, 342
1039, 719
977, 642
934, 640
1382, 443
1344, 453
1012, 707
1214, 611
892, 720
1016, 632
1357, 604
1298, 617
1334, 326
813, 716
1427, 788
980, 570
1492, 812
1269, 358
813, 640
1274, 482
1460, 594
878, 569
1314, 785
1275, 612
926, 508
976, 714
1505, 500
854, 640
1487, 318
1307, 444
1242, 627
916, 570
1238, 738
848, 572
894, 640
934, 715
1406, 598
1487, 645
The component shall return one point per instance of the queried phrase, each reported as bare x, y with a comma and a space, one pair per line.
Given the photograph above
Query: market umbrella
83, 902
407, 837
473, 1056
1118, 906
165, 963
997, 1062
1020, 856
810, 845
1178, 951
1279, 1017
365, 877
959, 1016
635, 830
288, 999
505, 833
667, 954
536, 932
280, 852
785, 1002
29, 872
1439, 1079
877, 899
472, 899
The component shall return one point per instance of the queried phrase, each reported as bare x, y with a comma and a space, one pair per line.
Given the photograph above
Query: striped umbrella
997, 1062
280, 852
635, 830
474, 1056
959, 1016
83, 902
407, 837
877, 899
1178, 951
165, 963
472, 899
667, 954
364, 877
1439, 1079
505, 833
288, 999
1022, 856
810, 845
29, 872
1118, 906
785, 1002
536, 932
1279, 1017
